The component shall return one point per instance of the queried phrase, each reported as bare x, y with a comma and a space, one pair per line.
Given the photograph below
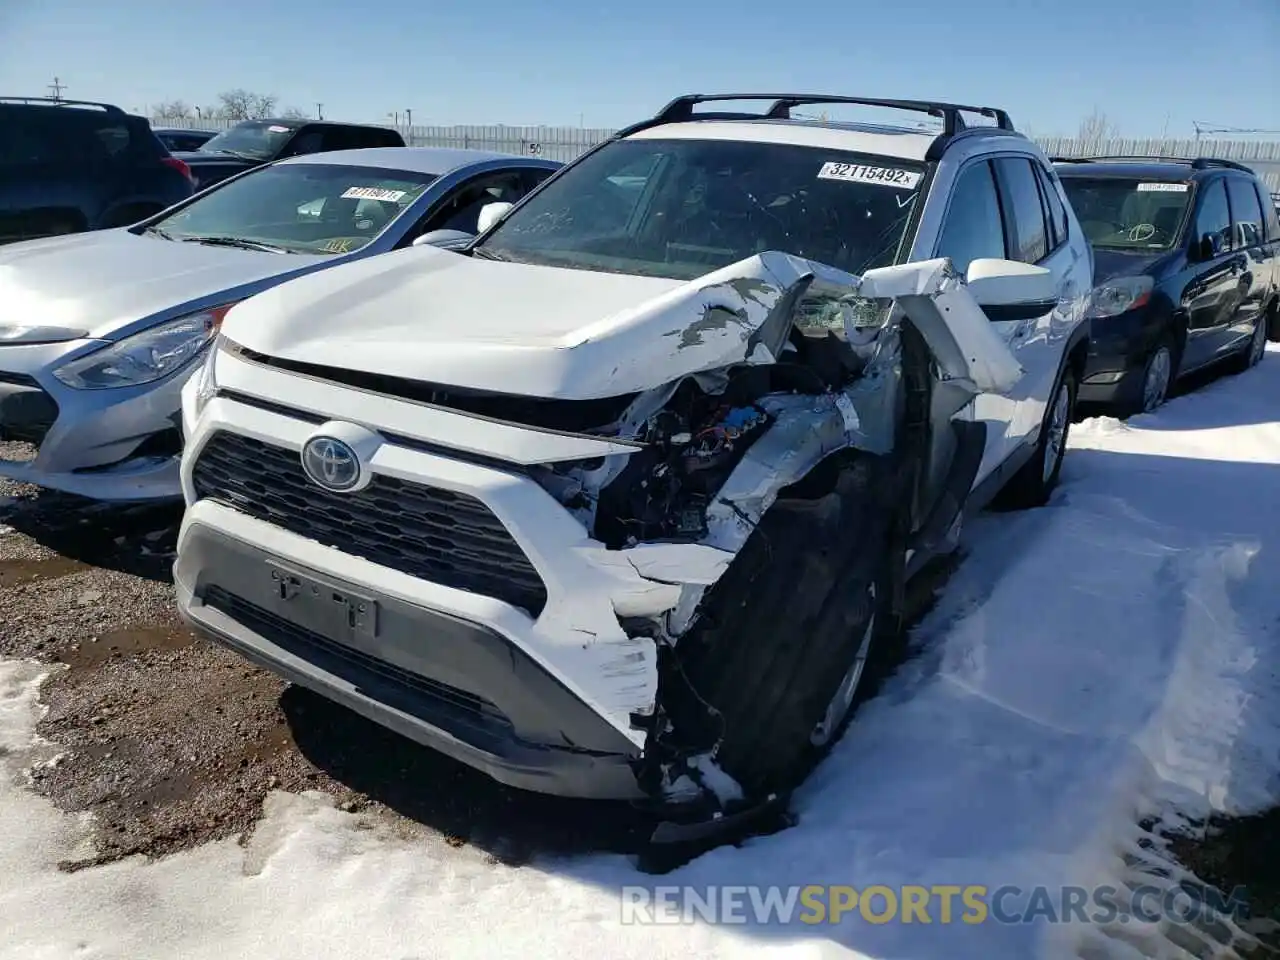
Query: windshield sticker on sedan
1162, 188
859, 173
373, 193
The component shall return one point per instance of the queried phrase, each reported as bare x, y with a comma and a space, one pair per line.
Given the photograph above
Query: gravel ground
171, 741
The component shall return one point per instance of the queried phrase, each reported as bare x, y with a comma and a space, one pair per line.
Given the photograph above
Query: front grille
343, 660
437, 535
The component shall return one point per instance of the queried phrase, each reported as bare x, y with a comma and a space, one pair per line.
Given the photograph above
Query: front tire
796, 633
1034, 483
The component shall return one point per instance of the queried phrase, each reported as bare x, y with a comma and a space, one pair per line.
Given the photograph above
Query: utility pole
319, 111
56, 88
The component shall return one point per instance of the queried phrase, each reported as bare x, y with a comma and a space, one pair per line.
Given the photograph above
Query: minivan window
1124, 213
1245, 211
256, 139
1213, 217
683, 208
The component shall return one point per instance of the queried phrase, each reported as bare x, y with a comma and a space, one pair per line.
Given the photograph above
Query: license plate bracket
331, 609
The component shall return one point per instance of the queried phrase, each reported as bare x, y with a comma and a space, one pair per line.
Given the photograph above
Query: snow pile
1110, 657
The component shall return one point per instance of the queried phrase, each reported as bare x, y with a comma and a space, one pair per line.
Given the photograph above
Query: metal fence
566, 143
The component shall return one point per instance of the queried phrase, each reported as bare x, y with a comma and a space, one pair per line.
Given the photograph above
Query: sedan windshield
1128, 214
683, 208
298, 208
259, 139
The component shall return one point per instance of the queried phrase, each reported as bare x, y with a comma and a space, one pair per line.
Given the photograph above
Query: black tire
780, 630
1035, 481
1252, 352
1273, 322
1140, 402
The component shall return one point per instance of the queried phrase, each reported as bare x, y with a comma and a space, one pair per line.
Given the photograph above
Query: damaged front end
779, 363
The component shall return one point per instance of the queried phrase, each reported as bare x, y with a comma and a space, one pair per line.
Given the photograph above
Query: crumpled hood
94, 284
442, 317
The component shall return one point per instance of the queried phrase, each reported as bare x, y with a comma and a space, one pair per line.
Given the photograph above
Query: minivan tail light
180, 166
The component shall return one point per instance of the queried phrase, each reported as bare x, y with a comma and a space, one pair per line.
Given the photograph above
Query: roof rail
108, 107
1197, 163
681, 108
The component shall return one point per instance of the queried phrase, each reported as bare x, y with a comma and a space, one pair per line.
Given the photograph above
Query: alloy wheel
1155, 385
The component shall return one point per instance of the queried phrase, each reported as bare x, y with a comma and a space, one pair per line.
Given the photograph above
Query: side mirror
490, 214
1010, 290
443, 238
1205, 247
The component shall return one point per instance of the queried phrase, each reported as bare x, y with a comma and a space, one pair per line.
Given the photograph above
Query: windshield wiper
160, 232
484, 253
237, 242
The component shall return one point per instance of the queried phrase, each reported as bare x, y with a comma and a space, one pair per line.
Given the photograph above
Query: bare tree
294, 113
240, 104
172, 110
1095, 130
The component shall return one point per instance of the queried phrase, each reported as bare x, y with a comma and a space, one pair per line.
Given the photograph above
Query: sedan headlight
146, 356
1114, 297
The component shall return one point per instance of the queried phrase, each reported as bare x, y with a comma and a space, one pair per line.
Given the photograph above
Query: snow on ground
1106, 658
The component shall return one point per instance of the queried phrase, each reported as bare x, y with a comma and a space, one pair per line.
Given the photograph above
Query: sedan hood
440, 317
98, 283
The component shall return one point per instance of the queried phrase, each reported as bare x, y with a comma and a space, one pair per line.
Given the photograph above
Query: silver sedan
98, 331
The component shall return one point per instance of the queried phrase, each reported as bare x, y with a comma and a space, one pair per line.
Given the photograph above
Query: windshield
682, 208
1125, 214
260, 139
299, 207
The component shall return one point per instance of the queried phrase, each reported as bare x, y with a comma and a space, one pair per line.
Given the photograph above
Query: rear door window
1055, 210
27, 144
1024, 210
972, 229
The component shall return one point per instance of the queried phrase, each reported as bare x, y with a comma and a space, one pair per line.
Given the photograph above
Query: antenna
56, 88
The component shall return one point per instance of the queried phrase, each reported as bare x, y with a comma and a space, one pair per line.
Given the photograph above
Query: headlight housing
1114, 297
147, 356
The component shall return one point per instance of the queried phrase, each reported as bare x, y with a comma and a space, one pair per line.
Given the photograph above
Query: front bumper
119, 444
453, 685
451, 515
1118, 350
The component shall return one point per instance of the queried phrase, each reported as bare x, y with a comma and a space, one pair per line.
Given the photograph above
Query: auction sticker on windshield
373, 193
860, 173
1162, 187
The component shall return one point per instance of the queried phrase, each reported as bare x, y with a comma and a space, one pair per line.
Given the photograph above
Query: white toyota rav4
620, 500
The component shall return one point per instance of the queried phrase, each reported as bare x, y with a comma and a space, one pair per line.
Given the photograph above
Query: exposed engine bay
838, 363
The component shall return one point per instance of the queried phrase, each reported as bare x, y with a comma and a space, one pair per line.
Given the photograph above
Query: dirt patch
1241, 853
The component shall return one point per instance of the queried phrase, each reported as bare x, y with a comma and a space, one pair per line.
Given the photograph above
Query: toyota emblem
330, 463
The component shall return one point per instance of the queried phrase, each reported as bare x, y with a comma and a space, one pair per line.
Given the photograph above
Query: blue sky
1153, 66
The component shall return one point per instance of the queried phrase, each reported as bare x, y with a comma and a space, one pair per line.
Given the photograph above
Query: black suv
1186, 274
252, 143
69, 165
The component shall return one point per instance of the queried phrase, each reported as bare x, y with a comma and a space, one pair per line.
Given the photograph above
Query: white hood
442, 317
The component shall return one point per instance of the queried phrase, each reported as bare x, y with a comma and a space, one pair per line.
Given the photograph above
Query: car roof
1156, 169
433, 160
907, 143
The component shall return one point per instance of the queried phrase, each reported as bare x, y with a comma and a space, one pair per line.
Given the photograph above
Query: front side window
299, 208
683, 208
972, 229
1246, 212
255, 139
1124, 213
1213, 218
